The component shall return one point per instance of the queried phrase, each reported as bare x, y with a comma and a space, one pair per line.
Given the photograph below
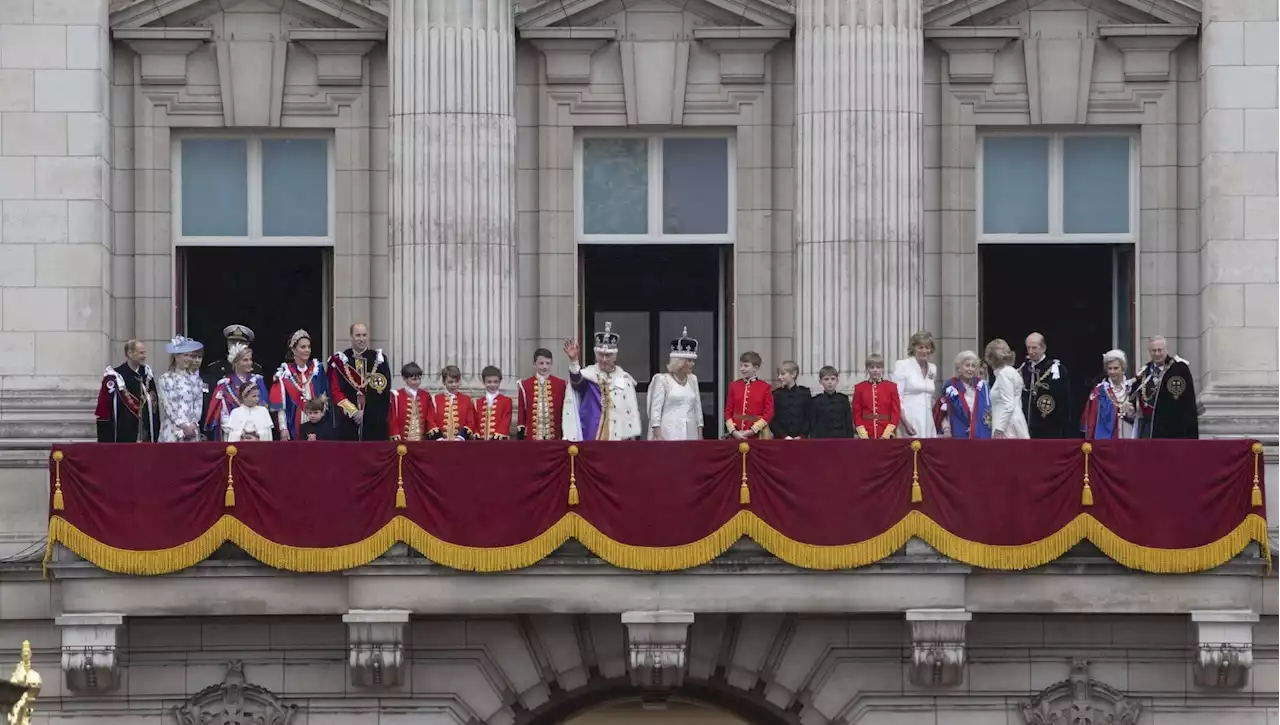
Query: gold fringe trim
668, 558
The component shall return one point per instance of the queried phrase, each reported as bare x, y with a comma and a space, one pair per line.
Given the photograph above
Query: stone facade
855, 127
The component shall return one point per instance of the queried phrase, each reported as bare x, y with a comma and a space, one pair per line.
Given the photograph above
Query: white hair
966, 356
1116, 355
1158, 338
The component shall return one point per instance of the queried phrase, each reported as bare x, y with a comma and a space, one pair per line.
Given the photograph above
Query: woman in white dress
181, 392
917, 378
675, 406
1007, 418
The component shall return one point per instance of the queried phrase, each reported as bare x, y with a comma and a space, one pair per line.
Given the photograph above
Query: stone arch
747, 706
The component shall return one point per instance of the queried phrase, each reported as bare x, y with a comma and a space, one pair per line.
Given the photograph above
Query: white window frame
655, 235
253, 146
1056, 189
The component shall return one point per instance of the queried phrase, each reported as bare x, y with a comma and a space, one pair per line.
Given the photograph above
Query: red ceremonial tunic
410, 416
454, 417
877, 410
541, 404
749, 405
493, 422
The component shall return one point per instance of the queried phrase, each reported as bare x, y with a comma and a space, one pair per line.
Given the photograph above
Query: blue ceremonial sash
1105, 425
958, 410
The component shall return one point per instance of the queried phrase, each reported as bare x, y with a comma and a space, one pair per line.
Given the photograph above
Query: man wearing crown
600, 403
359, 381
127, 411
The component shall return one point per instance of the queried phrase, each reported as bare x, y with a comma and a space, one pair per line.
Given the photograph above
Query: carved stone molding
937, 646
235, 702
1146, 48
659, 645
89, 641
568, 51
1225, 649
163, 51
1080, 700
971, 51
339, 52
375, 644
742, 51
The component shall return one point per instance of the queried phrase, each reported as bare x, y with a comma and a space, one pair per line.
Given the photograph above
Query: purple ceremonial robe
589, 405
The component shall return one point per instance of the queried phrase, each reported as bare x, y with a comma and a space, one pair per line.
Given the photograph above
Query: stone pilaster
859, 199
1238, 146
452, 185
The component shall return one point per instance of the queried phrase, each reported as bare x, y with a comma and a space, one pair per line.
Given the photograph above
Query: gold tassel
744, 493
401, 502
229, 498
917, 495
59, 505
1255, 499
1086, 494
573, 478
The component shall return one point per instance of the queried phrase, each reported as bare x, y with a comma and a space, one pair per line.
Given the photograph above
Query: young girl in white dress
250, 421
917, 379
675, 405
1007, 418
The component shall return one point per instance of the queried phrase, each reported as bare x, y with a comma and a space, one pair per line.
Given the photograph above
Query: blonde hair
675, 363
874, 358
923, 337
998, 353
965, 357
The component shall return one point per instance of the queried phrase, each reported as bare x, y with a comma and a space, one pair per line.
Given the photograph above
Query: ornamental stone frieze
375, 646
658, 647
1224, 653
937, 646
89, 642
235, 702
1081, 700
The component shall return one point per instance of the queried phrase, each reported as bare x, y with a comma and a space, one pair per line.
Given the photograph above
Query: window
262, 190
1057, 187
655, 188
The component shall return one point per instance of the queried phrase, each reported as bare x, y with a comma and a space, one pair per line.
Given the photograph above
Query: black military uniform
791, 412
1166, 400
219, 367
360, 380
831, 416
1046, 399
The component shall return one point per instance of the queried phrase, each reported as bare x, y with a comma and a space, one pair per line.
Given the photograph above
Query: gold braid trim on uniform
664, 558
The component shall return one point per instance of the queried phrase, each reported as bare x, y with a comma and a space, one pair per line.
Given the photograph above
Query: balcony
709, 526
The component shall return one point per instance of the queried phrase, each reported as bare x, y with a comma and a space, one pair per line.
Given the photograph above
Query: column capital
163, 51
89, 642
1225, 648
568, 51
659, 644
1146, 48
938, 646
375, 646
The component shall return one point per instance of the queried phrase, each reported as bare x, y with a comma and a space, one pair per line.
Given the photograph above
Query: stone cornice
972, 50
568, 51
163, 51
1146, 48
339, 52
742, 50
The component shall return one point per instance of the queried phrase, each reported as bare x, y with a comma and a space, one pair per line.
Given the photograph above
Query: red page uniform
493, 418
541, 404
410, 415
455, 417
877, 410
749, 405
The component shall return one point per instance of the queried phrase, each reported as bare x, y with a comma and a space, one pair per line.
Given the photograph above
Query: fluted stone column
859, 132
452, 185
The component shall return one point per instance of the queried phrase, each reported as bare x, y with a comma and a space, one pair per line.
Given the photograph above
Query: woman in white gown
917, 378
675, 406
1007, 418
